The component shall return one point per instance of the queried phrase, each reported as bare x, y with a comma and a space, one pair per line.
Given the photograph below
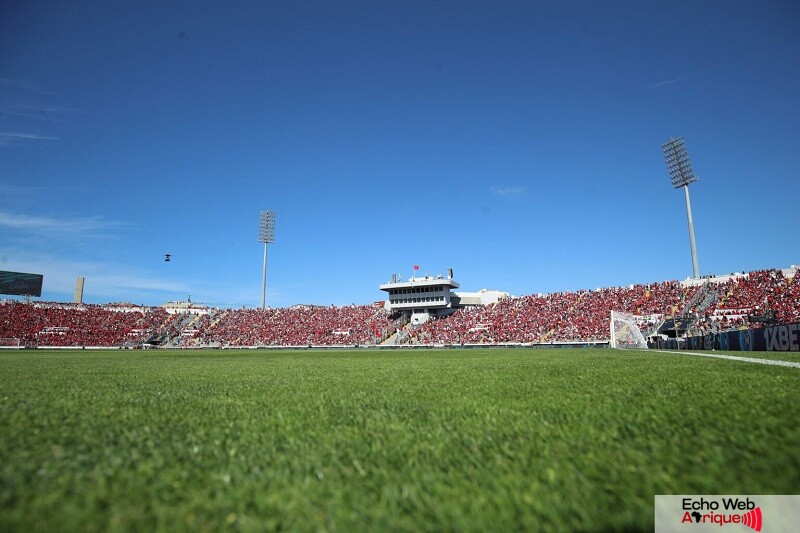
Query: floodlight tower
681, 174
266, 234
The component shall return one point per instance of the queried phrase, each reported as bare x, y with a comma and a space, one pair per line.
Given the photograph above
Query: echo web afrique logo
704, 511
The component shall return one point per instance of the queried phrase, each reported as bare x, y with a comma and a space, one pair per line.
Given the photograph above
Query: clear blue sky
517, 142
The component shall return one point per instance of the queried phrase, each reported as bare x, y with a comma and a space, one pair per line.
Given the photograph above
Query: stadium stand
557, 317
710, 305
753, 299
295, 326
59, 324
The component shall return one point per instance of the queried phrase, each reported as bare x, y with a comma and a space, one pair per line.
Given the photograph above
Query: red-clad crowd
785, 303
294, 326
55, 324
557, 317
767, 294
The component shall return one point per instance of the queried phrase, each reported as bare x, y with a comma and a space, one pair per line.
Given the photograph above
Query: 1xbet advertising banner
724, 514
784, 338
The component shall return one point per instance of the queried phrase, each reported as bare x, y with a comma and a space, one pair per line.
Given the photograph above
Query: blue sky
518, 143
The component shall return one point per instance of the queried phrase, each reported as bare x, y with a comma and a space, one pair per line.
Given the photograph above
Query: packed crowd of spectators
557, 317
785, 303
58, 324
294, 326
755, 299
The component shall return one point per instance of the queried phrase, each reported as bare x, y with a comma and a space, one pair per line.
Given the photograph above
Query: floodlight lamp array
266, 227
678, 164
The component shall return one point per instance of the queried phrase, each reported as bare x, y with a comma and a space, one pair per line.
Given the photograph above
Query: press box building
423, 297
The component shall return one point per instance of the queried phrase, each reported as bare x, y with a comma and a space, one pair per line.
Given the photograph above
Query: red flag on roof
416, 267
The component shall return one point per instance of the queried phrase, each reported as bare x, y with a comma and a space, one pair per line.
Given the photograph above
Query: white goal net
9, 343
626, 329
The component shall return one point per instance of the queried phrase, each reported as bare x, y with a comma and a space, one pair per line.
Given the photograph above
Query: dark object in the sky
167, 258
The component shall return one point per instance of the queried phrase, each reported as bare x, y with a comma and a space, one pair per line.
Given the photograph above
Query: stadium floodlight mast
266, 234
681, 174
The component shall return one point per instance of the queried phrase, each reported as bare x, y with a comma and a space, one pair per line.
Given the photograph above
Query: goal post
12, 343
625, 330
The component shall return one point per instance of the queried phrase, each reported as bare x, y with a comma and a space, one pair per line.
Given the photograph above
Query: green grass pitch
499, 439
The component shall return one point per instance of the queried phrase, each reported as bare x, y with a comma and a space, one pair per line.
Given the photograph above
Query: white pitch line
775, 362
